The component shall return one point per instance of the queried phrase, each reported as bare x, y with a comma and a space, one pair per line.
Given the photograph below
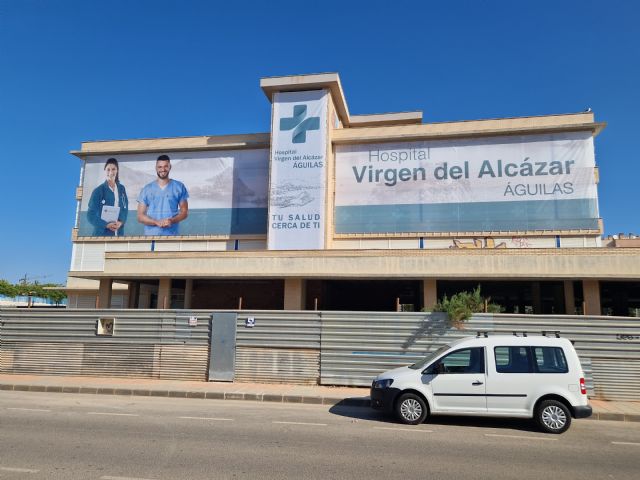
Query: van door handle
477, 382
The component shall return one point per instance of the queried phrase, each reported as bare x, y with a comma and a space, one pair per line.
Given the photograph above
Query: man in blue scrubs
162, 204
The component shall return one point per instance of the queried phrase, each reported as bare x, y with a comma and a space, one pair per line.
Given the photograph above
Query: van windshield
426, 360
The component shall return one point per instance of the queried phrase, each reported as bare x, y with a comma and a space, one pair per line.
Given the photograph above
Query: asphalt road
66, 436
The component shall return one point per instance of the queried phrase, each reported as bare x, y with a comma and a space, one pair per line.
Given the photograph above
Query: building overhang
573, 122
566, 263
386, 119
314, 81
183, 144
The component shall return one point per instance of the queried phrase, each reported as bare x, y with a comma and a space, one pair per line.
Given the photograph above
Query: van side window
469, 360
513, 360
550, 360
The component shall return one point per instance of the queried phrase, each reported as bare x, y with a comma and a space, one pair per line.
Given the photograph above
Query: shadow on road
520, 424
348, 408
351, 409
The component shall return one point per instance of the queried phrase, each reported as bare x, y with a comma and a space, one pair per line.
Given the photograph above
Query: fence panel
144, 343
357, 346
280, 347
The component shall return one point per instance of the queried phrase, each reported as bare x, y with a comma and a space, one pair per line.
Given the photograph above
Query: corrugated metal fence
330, 348
282, 347
355, 348
145, 344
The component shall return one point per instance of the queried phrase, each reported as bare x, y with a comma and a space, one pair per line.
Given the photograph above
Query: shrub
460, 306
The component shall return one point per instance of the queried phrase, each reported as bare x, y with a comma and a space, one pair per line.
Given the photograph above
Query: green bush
460, 306
8, 289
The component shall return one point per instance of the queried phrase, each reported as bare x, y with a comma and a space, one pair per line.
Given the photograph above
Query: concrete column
429, 293
569, 298
164, 293
293, 294
133, 293
188, 292
591, 292
104, 293
144, 297
536, 297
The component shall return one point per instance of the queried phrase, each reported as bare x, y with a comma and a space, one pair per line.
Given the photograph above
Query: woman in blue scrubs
111, 193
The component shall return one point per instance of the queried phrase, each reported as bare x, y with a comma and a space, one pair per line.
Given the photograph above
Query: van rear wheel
553, 416
411, 409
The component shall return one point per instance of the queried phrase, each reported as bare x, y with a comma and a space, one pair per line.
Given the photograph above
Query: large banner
298, 171
221, 193
532, 182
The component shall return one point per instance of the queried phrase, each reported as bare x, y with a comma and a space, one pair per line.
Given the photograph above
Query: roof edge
312, 81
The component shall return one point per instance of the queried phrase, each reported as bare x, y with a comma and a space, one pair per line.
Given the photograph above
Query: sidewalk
261, 392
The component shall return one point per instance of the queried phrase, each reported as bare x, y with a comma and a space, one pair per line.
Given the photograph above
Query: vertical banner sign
298, 170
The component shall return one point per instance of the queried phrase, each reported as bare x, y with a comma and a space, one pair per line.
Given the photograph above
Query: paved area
261, 392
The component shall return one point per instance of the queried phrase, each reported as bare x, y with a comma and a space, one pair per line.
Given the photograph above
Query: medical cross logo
299, 124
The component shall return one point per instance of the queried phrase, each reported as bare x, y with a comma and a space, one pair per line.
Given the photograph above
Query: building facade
334, 211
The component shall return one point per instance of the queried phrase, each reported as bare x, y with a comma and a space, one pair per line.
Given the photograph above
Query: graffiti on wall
520, 242
478, 243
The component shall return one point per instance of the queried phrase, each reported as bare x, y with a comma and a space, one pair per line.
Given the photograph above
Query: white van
502, 376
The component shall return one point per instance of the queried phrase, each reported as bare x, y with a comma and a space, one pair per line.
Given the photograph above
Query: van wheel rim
554, 417
411, 410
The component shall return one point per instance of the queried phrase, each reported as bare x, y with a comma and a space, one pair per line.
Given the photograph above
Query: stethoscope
123, 199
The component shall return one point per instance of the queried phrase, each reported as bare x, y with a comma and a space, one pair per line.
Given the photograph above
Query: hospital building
331, 210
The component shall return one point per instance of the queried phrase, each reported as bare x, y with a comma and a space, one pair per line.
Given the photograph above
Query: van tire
411, 409
553, 416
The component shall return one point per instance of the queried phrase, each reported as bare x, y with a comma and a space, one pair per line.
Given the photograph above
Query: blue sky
72, 71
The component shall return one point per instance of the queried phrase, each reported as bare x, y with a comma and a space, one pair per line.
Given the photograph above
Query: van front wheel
411, 409
553, 416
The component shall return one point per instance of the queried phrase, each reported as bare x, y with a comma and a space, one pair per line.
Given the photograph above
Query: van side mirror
435, 369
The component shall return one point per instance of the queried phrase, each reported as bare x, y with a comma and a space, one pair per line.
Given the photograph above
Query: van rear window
519, 359
550, 360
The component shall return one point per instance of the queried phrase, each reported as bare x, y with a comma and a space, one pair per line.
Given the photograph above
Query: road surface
69, 436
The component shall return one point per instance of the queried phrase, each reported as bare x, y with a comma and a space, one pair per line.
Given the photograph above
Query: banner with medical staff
175, 193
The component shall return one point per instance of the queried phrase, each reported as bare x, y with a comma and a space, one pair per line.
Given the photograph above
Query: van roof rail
556, 333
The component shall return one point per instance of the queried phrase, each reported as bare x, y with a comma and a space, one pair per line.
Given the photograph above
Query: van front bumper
384, 398
582, 411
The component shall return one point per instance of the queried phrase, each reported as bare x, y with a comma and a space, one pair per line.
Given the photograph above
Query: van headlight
386, 383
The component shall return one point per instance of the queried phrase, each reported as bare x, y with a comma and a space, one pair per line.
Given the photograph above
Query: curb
256, 397
616, 417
